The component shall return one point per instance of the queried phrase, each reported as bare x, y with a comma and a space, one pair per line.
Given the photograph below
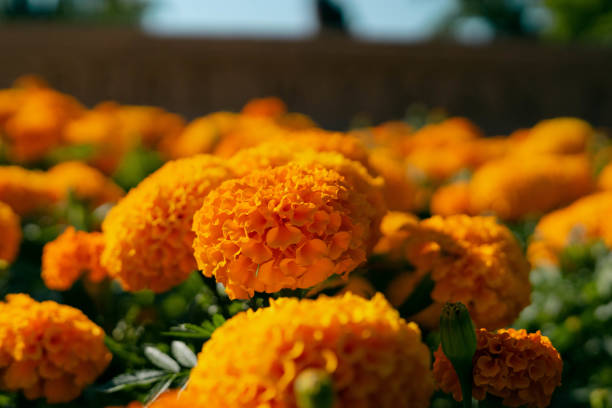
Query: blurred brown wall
501, 86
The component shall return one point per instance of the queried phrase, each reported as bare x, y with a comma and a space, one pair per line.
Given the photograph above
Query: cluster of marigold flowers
263, 200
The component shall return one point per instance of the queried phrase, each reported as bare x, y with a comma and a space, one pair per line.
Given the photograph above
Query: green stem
466, 388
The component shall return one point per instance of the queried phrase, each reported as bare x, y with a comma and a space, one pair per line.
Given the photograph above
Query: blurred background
503, 63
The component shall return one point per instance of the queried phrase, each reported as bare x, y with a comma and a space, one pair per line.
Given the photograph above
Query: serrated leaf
161, 359
183, 354
218, 320
159, 388
142, 377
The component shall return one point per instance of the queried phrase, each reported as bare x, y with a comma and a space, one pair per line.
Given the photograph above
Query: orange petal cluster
580, 222
523, 369
555, 136
168, 399
70, 256
291, 226
473, 260
375, 358
25, 191
148, 237
10, 231
48, 350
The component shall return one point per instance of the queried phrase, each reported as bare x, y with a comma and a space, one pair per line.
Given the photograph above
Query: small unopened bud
314, 389
458, 338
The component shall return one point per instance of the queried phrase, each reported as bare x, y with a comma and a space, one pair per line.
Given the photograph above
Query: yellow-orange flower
10, 231
169, 399
287, 227
582, 221
520, 186
556, 136
451, 199
473, 260
85, 182
374, 358
71, 255
270, 107
523, 369
25, 191
48, 350
604, 181
148, 237
36, 125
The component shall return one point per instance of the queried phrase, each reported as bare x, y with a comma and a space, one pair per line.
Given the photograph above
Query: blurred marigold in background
168, 399
25, 191
48, 350
473, 260
523, 369
291, 226
579, 223
517, 187
451, 199
374, 358
71, 255
10, 231
148, 236
604, 181
270, 107
85, 182
554, 136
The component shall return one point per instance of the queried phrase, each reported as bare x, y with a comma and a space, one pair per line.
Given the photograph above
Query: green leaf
183, 354
189, 331
142, 377
119, 350
161, 359
159, 389
419, 299
218, 320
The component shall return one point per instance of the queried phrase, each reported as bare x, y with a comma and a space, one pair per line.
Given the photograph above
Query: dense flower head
521, 368
10, 231
25, 191
85, 182
520, 186
604, 180
451, 199
202, 134
271, 107
473, 260
148, 237
36, 126
48, 350
583, 221
291, 226
168, 399
556, 136
71, 255
374, 358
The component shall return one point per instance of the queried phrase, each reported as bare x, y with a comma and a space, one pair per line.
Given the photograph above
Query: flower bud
314, 389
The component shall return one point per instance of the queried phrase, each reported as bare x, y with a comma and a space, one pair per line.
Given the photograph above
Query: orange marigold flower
48, 350
85, 182
148, 237
270, 107
292, 226
10, 231
69, 256
580, 222
169, 399
523, 369
37, 124
604, 181
374, 358
451, 199
520, 186
556, 136
25, 191
473, 260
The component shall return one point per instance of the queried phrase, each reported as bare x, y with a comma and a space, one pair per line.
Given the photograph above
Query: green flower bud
458, 338
314, 389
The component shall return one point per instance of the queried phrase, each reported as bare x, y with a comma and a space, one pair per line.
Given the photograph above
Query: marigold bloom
451, 199
523, 369
292, 226
473, 260
270, 107
556, 136
36, 126
85, 182
604, 181
168, 399
520, 186
25, 191
48, 350
148, 237
10, 231
69, 256
375, 358
580, 222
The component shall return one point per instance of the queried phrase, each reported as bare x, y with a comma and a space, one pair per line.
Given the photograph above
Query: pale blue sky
394, 20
